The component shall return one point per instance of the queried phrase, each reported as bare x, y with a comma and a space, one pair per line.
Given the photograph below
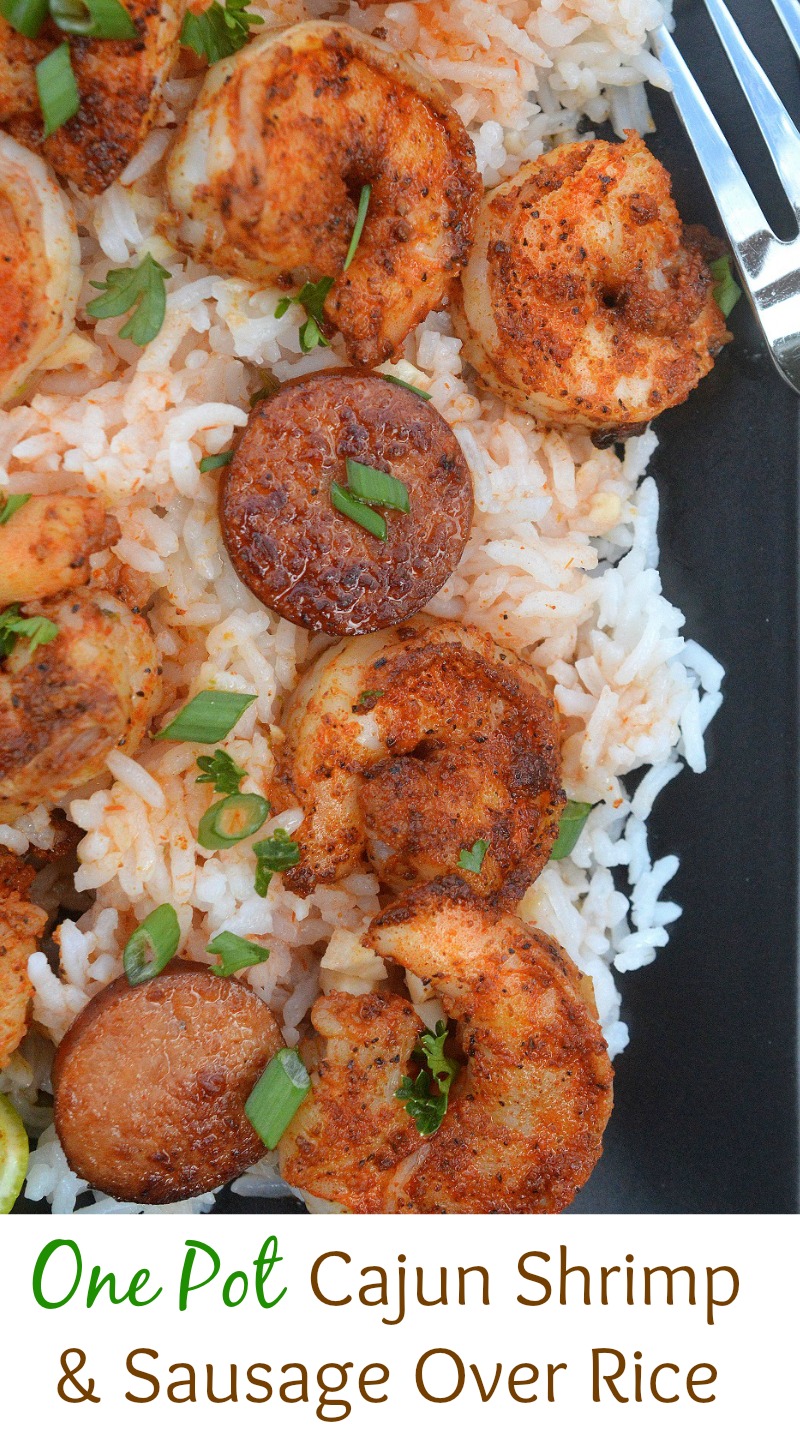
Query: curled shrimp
39, 265
119, 83
267, 176
409, 746
46, 544
21, 926
65, 704
585, 301
527, 1111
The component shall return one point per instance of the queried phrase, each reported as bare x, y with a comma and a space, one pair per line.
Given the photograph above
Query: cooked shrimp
524, 1125
93, 688
584, 301
409, 746
21, 925
302, 556
39, 265
269, 169
45, 546
119, 83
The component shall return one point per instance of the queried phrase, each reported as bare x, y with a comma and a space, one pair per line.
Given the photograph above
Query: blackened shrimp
21, 925
268, 172
304, 557
119, 83
39, 265
66, 703
46, 544
418, 744
585, 301
527, 1111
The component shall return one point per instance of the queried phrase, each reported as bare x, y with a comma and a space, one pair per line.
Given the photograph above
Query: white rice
562, 564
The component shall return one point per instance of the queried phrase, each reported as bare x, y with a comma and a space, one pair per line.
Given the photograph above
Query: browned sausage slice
296, 551
151, 1081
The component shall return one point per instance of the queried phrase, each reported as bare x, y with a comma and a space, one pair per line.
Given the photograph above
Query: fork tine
790, 16
740, 212
777, 127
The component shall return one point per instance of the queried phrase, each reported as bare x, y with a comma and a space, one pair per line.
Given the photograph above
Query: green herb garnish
152, 945
361, 217
426, 1096
367, 699
221, 771
208, 717
232, 819
473, 859
235, 953
220, 30
360, 513
99, 19
573, 820
277, 853
408, 386
9, 503
216, 460
277, 1095
57, 89
312, 298
35, 628
374, 486
727, 291
25, 16
140, 288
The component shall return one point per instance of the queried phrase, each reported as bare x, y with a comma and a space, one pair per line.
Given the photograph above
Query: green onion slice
374, 486
277, 1095
573, 820
472, 860
100, 19
9, 503
727, 291
57, 87
152, 945
360, 513
361, 217
14, 1155
216, 460
209, 717
25, 16
235, 953
409, 386
232, 819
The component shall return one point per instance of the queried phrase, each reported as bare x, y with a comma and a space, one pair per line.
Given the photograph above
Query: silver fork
769, 267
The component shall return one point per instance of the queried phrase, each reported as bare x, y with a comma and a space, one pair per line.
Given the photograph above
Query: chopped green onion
427, 1095
573, 820
367, 699
25, 16
100, 19
360, 513
727, 291
139, 290
14, 1154
270, 387
209, 717
9, 503
232, 819
220, 771
277, 853
361, 217
277, 1095
57, 88
219, 30
235, 953
409, 386
152, 945
374, 486
216, 460
35, 628
473, 859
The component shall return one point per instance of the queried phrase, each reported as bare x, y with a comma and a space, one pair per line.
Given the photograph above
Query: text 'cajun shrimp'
268, 172
119, 83
39, 265
585, 301
527, 1111
411, 745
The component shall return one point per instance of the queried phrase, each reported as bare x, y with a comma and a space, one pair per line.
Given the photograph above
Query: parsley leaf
427, 1095
221, 771
220, 30
277, 853
138, 290
473, 859
573, 820
312, 297
35, 628
9, 503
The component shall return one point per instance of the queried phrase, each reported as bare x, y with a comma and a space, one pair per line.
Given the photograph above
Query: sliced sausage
303, 557
150, 1084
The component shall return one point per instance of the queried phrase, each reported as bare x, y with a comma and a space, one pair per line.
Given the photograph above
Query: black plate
706, 1115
